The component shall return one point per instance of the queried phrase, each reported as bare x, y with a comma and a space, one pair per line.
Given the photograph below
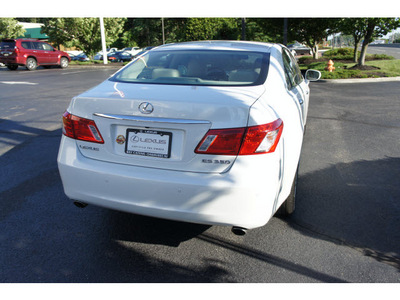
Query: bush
307, 60
379, 57
348, 54
340, 54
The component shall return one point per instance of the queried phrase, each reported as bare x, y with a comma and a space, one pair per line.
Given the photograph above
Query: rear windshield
7, 45
197, 67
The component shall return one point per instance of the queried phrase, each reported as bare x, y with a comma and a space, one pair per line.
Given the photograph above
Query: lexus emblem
146, 108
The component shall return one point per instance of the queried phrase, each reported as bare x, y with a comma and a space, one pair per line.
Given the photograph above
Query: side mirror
313, 75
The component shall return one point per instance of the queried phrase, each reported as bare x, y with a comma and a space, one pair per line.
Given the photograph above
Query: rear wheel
287, 207
12, 67
31, 64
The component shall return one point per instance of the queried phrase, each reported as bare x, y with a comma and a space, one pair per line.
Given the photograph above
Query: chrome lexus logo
135, 139
146, 108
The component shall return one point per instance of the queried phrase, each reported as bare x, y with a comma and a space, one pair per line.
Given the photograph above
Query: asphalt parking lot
344, 229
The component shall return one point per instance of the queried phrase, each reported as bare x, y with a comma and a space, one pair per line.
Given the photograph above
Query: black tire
287, 207
64, 62
31, 64
12, 67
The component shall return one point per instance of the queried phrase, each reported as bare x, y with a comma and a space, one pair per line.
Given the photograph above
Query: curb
362, 80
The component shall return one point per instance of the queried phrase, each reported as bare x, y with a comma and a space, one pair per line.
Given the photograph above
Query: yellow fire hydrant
330, 66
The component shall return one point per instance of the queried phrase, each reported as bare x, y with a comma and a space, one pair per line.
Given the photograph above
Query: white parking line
19, 82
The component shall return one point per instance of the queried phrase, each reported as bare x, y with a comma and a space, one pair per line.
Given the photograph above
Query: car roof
22, 39
218, 45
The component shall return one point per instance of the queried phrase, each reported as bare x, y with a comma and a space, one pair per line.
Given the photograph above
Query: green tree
198, 29
312, 31
146, 31
265, 30
9, 28
56, 29
83, 33
373, 28
355, 28
259, 30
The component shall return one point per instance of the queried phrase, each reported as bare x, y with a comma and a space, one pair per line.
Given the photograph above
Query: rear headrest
160, 72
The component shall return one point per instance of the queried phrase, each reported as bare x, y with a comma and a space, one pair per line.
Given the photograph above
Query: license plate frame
147, 142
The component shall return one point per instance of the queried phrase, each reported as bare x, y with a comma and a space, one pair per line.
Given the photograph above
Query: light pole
103, 41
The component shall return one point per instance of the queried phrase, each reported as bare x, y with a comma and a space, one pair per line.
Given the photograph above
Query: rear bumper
15, 60
245, 196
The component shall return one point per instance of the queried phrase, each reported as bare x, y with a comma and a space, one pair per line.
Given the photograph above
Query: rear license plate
148, 143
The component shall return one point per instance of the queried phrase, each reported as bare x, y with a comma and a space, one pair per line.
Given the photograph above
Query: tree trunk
355, 51
361, 60
315, 51
367, 40
356, 44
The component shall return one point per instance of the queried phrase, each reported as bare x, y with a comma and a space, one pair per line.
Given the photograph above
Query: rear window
7, 45
197, 67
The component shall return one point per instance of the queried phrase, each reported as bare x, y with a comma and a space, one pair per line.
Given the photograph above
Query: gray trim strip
150, 119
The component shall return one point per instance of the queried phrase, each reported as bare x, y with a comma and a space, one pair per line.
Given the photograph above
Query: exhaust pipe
239, 230
80, 204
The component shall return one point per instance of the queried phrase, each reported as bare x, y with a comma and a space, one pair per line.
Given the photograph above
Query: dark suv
31, 53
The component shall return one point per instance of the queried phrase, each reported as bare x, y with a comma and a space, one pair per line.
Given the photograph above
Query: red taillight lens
242, 141
221, 141
262, 138
81, 129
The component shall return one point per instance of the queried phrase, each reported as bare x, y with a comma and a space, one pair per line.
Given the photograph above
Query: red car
31, 53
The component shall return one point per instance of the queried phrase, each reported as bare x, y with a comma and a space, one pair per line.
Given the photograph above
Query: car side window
26, 45
292, 70
288, 73
37, 46
47, 47
299, 77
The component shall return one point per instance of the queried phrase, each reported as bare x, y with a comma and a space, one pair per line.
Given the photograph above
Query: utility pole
243, 29
285, 27
163, 34
103, 41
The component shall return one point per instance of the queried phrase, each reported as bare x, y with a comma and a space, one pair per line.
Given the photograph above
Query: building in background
32, 31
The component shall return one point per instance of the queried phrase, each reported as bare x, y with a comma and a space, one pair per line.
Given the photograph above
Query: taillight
221, 141
242, 141
81, 129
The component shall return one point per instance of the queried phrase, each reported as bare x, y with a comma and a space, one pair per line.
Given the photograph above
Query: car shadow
149, 230
356, 204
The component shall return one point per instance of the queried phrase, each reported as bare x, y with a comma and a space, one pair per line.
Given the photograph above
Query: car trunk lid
160, 126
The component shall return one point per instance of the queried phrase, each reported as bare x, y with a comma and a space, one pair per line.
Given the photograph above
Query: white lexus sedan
205, 132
